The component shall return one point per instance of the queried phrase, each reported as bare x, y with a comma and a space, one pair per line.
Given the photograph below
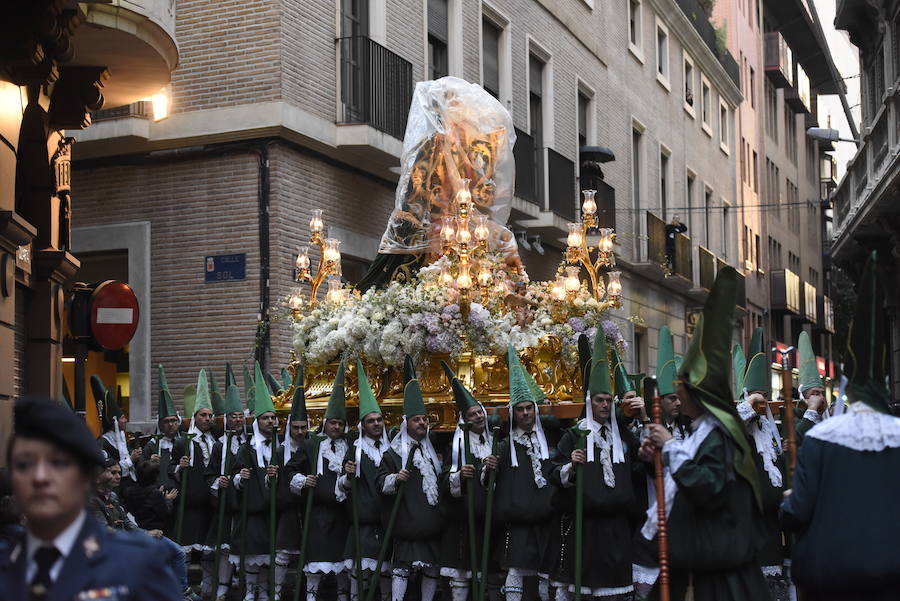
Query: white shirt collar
520, 432
63, 542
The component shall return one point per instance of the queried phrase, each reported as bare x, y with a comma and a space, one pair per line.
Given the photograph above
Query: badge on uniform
109, 593
91, 546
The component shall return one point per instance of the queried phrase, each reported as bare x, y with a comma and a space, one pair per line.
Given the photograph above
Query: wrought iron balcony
779, 60
866, 194
376, 86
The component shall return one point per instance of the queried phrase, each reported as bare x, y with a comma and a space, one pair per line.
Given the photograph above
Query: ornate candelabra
329, 267
464, 241
578, 255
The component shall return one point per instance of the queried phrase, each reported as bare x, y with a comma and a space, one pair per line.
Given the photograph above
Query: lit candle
614, 287
481, 228
446, 277
464, 280
463, 235
303, 259
574, 238
448, 230
572, 281
589, 206
463, 198
485, 277
316, 225
295, 301
558, 290
605, 245
332, 253
335, 294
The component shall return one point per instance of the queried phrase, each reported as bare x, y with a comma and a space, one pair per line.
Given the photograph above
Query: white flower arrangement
422, 317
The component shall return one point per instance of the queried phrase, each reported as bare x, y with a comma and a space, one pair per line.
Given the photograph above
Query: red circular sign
114, 314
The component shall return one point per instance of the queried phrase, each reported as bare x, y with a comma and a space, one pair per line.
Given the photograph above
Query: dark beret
51, 421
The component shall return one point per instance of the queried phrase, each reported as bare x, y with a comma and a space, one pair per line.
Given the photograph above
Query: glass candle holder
589, 205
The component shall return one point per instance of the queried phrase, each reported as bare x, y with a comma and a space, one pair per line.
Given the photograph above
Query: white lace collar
860, 428
335, 456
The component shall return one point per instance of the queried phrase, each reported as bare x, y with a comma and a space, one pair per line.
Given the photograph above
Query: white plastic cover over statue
456, 130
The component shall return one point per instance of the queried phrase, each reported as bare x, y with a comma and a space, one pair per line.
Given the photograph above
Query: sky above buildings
846, 59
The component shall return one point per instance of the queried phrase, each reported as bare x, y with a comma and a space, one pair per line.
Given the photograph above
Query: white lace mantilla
861, 428
524, 439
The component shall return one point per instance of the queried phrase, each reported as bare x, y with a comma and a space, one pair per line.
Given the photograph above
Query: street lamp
825, 134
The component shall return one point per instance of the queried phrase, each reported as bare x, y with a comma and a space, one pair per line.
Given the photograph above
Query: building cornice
673, 16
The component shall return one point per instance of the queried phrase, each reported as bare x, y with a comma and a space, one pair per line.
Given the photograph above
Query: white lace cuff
456, 484
237, 481
813, 416
340, 494
674, 454
344, 483
565, 475
296, 484
390, 484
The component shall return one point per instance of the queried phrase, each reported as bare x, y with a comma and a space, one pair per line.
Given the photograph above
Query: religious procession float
448, 283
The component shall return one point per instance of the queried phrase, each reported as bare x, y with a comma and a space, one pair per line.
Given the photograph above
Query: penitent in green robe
714, 528
418, 527
524, 509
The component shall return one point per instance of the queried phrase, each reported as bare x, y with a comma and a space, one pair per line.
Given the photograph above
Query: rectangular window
438, 27
688, 85
705, 105
707, 211
634, 24
752, 88
536, 117
636, 147
662, 53
584, 119
490, 57
743, 159
745, 241
664, 182
689, 200
723, 126
756, 252
726, 234
771, 110
755, 172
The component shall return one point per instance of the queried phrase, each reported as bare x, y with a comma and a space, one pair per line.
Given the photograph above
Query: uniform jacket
125, 566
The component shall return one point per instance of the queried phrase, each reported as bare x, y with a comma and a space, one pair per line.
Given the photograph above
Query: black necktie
378, 444
603, 432
333, 446
481, 438
670, 429
44, 557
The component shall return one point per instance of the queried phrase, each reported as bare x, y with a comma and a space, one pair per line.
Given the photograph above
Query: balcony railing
824, 314
563, 197
696, 14
376, 86
876, 159
779, 60
810, 303
140, 109
707, 267
679, 261
797, 96
785, 291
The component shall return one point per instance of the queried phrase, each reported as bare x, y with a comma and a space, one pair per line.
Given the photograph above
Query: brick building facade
265, 124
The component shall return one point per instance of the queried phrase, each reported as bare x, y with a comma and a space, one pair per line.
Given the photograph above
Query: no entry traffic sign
114, 314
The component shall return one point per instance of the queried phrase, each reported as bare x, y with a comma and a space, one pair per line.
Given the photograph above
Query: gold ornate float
449, 284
